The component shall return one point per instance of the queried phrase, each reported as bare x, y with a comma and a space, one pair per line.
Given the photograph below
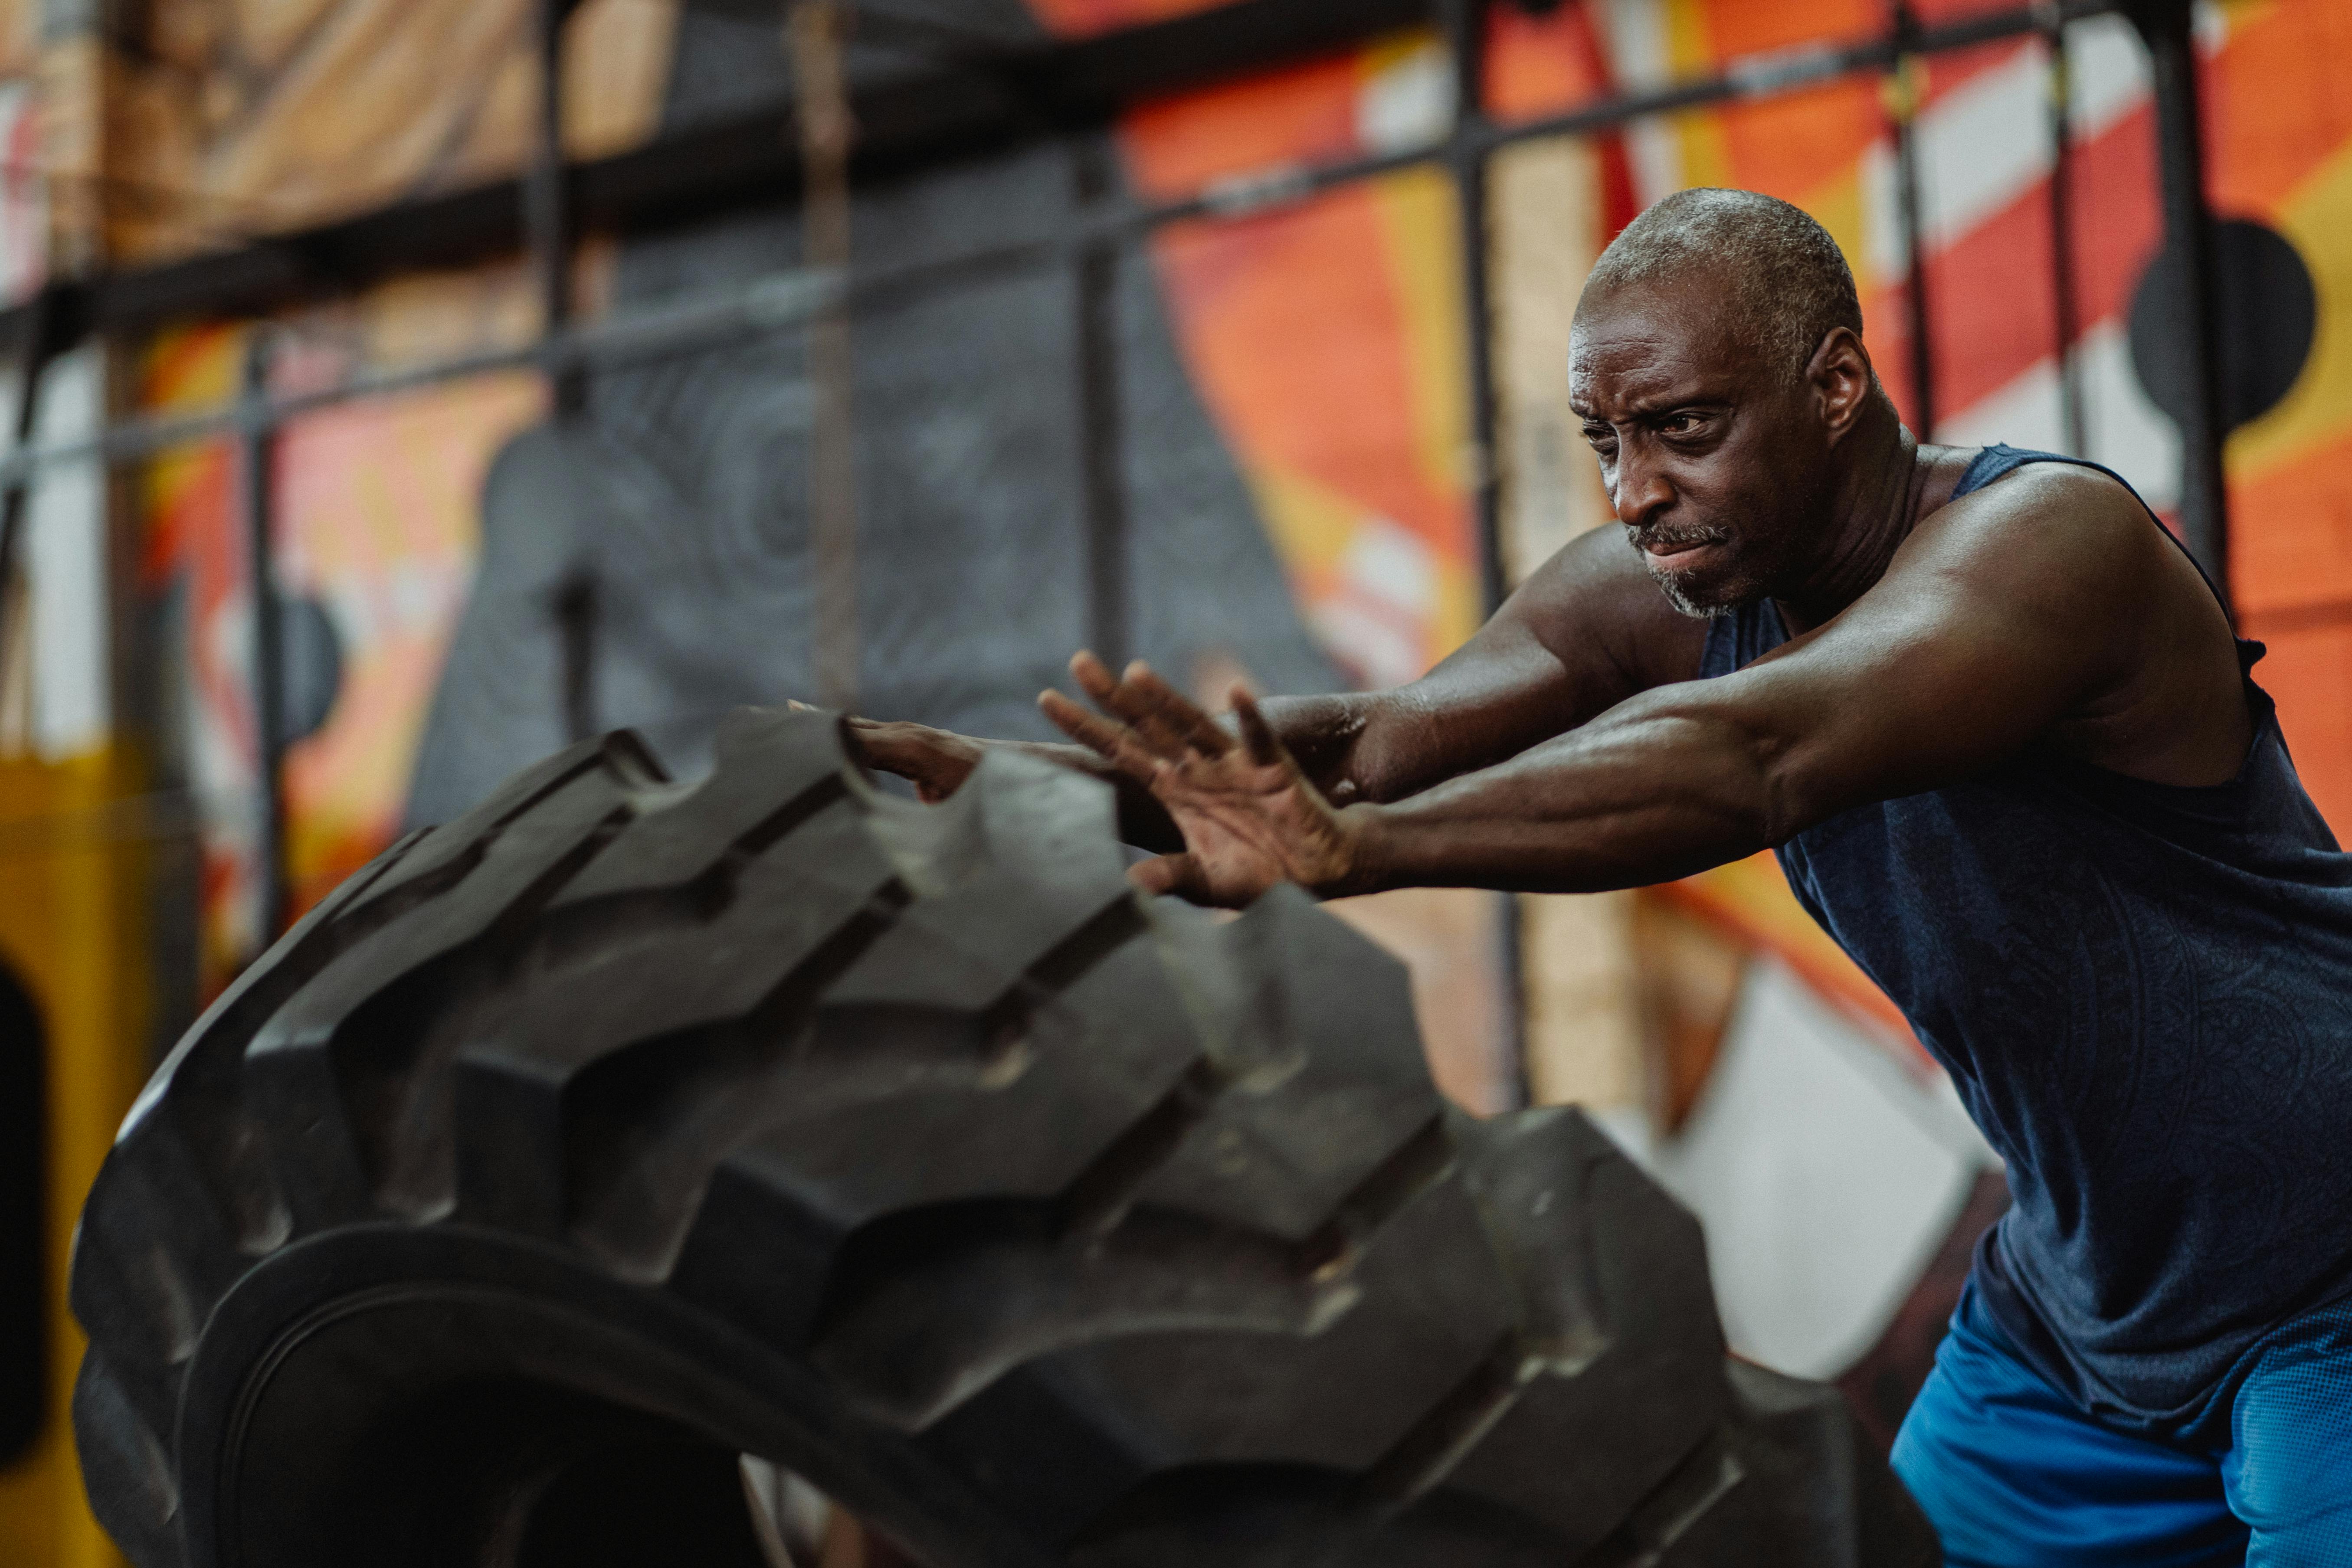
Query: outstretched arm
1587, 630
1995, 622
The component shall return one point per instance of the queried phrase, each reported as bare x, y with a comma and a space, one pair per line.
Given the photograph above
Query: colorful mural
1326, 336
240, 119
378, 510
1327, 339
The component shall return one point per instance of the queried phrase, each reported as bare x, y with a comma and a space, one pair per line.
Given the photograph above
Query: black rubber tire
620, 1127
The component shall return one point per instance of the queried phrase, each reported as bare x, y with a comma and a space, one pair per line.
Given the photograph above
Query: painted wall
1325, 342
1300, 409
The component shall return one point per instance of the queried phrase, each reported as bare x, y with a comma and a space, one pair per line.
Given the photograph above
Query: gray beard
1697, 612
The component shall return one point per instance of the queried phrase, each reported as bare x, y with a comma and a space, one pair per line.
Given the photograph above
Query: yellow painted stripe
2318, 411
1690, 49
1421, 213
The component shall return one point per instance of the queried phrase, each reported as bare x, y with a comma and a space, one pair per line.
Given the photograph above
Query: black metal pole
817, 35
259, 446
39, 345
1101, 416
2065, 301
547, 200
1465, 24
1466, 35
1906, 91
2166, 26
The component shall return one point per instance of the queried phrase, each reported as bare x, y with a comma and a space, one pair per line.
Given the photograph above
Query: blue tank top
2144, 994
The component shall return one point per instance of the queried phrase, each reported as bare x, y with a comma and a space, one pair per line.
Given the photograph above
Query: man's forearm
1621, 803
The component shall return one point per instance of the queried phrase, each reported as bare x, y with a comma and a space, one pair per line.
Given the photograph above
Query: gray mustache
1676, 541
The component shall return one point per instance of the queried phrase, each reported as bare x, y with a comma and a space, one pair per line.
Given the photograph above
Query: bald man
2001, 734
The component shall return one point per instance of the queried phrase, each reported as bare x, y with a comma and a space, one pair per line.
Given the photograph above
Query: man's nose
1641, 491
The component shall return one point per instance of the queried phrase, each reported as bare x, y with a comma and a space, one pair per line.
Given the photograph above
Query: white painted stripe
1982, 146
1825, 1177
1634, 34
2127, 433
2024, 413
1985, 143
65, 560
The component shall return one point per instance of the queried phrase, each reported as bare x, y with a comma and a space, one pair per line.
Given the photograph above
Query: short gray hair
1789, 280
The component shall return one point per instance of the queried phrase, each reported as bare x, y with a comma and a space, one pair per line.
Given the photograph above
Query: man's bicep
1585, 631
1932, 676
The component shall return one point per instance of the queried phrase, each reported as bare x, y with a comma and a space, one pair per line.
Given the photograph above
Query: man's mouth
1675, 552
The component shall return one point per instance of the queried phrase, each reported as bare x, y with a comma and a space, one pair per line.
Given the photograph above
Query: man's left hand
1249, 816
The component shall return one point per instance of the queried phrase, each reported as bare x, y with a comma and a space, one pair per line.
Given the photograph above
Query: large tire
619, 1128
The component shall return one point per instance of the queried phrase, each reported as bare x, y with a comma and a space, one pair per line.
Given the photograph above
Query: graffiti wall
1325, 339
1326, 336
375, 532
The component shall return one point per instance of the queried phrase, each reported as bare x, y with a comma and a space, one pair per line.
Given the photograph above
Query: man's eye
1678, 424
1599, 435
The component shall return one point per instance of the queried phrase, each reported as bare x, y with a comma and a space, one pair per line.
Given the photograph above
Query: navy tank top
2144, 994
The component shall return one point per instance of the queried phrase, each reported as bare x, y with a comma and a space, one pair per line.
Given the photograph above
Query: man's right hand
936, 761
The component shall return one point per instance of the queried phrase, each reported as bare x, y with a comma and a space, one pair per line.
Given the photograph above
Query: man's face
1715, 460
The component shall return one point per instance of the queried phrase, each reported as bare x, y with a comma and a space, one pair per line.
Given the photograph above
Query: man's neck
1889, 482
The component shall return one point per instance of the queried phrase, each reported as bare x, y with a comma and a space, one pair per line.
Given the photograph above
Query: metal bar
575, 608
973, 107
2065, 301
1468, 154
690, 175
37, 345
788, 301
268, 667
1465, 21
2167, 27
547, 199
816, 35
1906, 88
1102, 432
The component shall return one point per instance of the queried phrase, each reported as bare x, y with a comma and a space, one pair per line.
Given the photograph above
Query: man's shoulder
2046, 526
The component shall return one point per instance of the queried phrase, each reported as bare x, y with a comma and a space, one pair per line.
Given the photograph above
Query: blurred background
400, 389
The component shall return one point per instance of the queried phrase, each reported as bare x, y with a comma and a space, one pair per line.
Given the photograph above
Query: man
2001, 734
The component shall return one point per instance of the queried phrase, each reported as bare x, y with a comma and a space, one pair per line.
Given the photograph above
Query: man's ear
1841, 377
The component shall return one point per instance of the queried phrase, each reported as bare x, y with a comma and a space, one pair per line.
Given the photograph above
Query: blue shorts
2015, 1475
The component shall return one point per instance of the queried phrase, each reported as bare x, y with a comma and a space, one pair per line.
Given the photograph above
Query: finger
1122, 699
1093, 676
1177, 874
878, 748
1178, 711
1090, 729
1264, 746
1106, 738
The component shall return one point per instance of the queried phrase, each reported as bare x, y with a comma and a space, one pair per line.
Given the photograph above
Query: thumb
1258, 738
1179, 874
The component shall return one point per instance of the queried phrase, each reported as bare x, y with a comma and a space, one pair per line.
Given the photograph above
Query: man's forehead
1642, 342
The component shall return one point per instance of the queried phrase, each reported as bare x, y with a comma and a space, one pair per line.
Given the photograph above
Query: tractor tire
622, 1128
